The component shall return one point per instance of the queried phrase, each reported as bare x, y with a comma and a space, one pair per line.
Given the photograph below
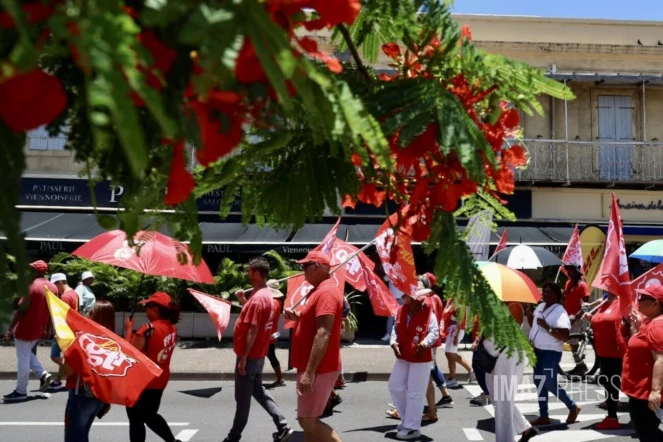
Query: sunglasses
309, 264
645, 298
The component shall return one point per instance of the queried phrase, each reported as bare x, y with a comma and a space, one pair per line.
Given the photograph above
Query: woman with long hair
156, 340
82, 407
550, 329
642, 371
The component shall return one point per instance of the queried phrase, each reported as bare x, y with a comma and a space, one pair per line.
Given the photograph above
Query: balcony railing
593, 162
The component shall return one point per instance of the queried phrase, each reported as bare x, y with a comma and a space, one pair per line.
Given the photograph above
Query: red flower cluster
426, 179
36, 12
163, 59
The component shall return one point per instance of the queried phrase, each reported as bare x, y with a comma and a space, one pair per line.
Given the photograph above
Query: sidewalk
365, 361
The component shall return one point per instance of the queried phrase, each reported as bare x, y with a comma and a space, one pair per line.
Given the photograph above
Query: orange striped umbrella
509, 285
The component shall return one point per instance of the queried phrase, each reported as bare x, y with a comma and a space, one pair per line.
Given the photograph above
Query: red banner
653, 277
114, 370
502, 244
573, 253
218, 309
353, 269
613, 275
329, 240
299, 289
395, 252
382, 301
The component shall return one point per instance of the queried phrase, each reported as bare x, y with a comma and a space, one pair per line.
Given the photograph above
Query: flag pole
558, 272
347, 259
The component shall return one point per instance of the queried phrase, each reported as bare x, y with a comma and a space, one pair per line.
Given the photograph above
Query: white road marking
580, 435
97, 424
582, 417
186, 435
472, 434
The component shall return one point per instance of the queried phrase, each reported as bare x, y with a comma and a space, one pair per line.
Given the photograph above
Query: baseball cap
576, 267
655, 291
421, 292
86, 275
39, 265
317, 257
56, 277
159, 298
273, 285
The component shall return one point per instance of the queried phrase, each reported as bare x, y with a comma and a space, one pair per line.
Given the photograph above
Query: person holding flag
157, 340
316, 346
253, 330
68, 295
576, 294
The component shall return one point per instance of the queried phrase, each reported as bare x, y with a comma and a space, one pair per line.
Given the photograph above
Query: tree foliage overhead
294, 129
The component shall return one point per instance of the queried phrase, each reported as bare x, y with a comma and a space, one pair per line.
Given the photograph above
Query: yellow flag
59, 310
592, 242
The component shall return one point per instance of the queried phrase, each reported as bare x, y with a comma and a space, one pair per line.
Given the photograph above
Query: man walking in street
29, 324
316, 348
86, 298
69, 296
251, 343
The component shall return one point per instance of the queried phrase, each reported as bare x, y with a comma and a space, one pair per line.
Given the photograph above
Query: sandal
393, 414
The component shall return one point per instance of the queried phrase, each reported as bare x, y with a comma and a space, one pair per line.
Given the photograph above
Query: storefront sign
645, 207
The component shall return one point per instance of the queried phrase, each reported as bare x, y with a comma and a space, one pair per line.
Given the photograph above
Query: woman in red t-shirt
157, 340
610, 345
642, 371
82, 408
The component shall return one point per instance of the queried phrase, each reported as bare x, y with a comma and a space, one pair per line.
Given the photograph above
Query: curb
352, 377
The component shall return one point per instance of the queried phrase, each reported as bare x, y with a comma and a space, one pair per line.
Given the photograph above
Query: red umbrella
153, 254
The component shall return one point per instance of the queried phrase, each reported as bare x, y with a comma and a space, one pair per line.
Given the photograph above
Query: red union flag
653, 277
329, 240
352, 271
573, 253
114, 370
218, 309
395, 252
502, 244
613, 275
382, 301
299, 289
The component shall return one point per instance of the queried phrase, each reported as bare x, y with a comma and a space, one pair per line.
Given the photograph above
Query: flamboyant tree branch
353, 50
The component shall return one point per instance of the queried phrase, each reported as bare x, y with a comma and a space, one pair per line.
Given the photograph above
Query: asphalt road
203, 411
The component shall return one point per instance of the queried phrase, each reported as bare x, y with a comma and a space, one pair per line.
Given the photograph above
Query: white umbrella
526, 257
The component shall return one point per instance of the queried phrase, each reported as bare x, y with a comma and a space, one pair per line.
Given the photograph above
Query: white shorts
449, 346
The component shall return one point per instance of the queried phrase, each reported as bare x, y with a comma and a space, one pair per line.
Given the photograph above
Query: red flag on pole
218, 309
653, 277
395, 251
114, 370
299, 288
613, 275
329, 240
502, 244
352, 271
382, 301
573, 253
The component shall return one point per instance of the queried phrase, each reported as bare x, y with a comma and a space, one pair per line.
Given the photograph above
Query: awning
63, 227
533, 236
315, 233
361, 234
236, 233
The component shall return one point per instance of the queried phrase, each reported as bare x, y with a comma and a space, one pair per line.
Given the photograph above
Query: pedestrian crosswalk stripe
186, 435
472, 434
96, 424
580, 435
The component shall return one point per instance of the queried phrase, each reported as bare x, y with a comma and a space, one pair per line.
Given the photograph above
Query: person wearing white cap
86, 298
70, 297
414, 334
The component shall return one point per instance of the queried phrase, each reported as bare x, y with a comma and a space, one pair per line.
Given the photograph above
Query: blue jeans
545, 379
437, 375
79, 415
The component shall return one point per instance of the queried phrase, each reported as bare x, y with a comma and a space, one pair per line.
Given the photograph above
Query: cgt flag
218, 309
382, 301
114, 370
613, 276
653, 277
573, 253
503, 241
395, 251
299, 289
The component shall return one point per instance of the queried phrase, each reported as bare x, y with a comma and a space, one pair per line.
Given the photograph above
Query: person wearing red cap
316, 347
576, 293
414, 335
251, 336
29, 324
642, 370
157, 339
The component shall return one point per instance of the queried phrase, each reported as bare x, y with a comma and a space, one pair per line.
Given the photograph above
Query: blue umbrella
651, 251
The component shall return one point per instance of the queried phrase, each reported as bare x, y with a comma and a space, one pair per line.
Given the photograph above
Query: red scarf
410, 335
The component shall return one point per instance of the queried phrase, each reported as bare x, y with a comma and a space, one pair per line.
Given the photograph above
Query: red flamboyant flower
248, 68
36, 12
180, 180
163, 58
370, 194
31, 100
311, 47
391, 50
220, 118
466, 32
332, 13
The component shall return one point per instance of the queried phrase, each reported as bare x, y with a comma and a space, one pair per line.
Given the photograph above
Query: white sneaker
452, 383
408, 434
386, 338
473, 377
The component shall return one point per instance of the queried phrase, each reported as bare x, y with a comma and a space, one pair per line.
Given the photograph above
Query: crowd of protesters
630, 352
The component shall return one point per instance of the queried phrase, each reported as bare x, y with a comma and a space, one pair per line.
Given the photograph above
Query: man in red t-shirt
316, 347
251, 343
70, 297
29, 324
576, 292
